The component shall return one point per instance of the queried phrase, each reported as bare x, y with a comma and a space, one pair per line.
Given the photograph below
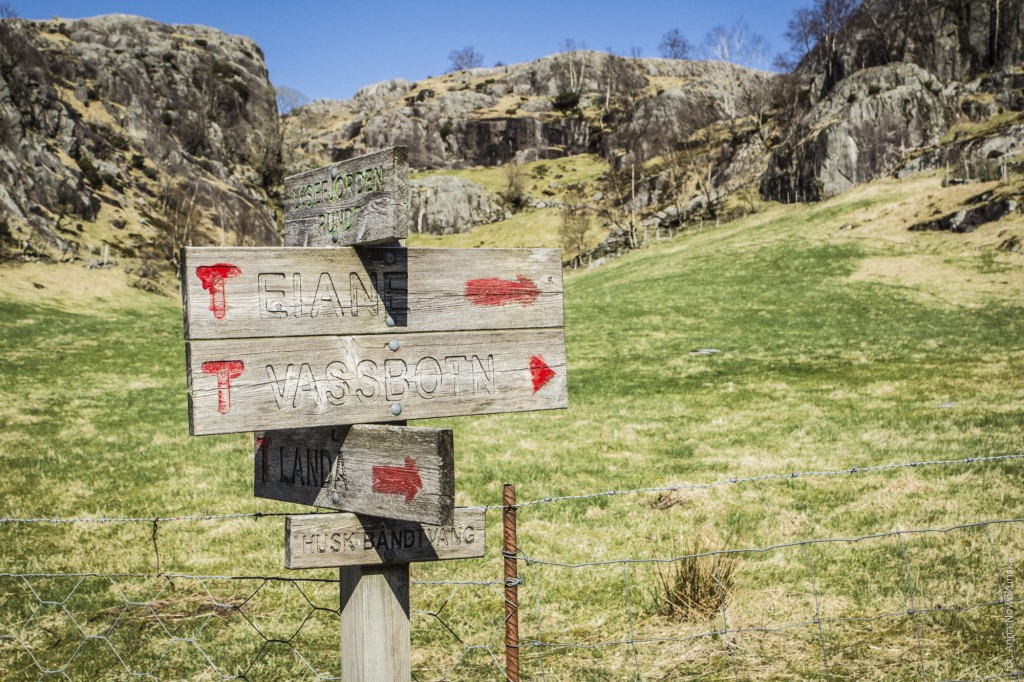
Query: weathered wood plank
279, 383
359, 201
388, 471
343, 539
375, 624
246, 293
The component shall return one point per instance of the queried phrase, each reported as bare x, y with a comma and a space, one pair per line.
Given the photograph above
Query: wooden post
375, 641
511, 584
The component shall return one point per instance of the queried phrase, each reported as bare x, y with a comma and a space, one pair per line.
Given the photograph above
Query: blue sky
332, 48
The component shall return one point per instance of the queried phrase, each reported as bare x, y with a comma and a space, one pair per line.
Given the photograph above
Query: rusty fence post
511, 584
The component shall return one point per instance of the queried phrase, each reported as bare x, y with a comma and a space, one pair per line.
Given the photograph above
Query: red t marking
225, 370
212, 277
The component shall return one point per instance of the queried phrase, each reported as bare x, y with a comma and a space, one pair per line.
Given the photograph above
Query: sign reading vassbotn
359, 201
257, 384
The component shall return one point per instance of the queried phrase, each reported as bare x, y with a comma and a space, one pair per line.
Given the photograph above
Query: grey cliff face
862, 130
137, 123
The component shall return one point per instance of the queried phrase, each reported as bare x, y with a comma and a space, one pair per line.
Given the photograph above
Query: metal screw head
334, 173
334, 238
334, 497
393, 344
389, 554
389, 257
396, 409
390, 321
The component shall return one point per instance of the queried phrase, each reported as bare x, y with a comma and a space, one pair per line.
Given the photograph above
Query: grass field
844, 341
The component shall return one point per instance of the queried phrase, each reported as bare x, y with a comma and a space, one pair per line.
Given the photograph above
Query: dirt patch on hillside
68, 286
933, 278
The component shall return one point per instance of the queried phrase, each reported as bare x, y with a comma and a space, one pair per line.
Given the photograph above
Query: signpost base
375, 643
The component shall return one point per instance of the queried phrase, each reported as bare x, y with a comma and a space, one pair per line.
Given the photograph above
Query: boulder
862, 130
445, 204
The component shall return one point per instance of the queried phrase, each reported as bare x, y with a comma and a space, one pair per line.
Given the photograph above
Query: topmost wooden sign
359, 201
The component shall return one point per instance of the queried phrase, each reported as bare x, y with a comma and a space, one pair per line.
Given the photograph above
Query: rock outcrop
862, 130
564, 104
445, 204
159, 134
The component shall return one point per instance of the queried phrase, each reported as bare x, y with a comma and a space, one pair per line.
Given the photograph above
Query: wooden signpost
306, 346
387, 471
359, 201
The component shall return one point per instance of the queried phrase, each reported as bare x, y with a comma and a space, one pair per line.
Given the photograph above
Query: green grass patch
819, 368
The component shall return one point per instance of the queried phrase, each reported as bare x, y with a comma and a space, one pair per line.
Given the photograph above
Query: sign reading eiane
392, 472
359, 201
242, 293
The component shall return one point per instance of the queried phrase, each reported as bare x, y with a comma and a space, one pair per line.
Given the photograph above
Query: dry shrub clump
697, 585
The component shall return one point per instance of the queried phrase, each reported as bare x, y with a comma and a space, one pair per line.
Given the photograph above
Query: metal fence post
511, 584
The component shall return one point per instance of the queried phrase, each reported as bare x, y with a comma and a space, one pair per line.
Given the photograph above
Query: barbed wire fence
929, 603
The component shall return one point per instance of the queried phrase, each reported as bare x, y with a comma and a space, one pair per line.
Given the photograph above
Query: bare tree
736, 44
7, 11
288, 99
817, 32
515, 187
575, 64
575, 223
674, 45
465, 58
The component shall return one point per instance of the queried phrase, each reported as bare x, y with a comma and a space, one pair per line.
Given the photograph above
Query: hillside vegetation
844, 341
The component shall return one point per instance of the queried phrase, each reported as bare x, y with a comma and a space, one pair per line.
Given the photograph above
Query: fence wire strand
191, 613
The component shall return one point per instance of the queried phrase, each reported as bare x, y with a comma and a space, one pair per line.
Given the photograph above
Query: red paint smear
398, 480
494, 291
540, 371
263, 444
212, 277
225, 370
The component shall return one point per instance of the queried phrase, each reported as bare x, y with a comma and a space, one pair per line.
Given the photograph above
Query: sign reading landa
387, 471
328, 540
360, 201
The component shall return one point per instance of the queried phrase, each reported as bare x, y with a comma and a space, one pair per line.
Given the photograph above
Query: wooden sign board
359, 201
388, 471
280, 383
246, 293
330, 540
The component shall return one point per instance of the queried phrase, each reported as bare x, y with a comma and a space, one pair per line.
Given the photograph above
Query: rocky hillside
127, 138
900, 86
124, 138
657, 123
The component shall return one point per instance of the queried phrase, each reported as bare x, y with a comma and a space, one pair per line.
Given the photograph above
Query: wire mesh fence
924, 602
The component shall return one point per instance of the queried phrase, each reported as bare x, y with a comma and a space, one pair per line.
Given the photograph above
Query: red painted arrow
494, 291
540, 371
398, 480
